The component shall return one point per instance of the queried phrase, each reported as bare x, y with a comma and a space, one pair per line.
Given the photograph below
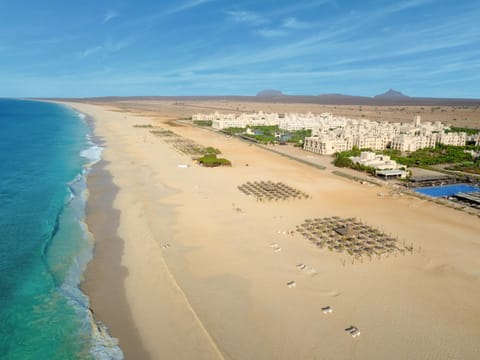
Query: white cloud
249, 17
187, 5
108, 48
402, 5
286, 27
112, 46
151, 19
109, 16
294, 24
92, 50
271, 33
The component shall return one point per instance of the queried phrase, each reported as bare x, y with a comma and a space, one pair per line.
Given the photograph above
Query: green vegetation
469, 131
299, 136
472, 147
211, 160
265, 128
270, 134
392, 153
206, 123
264, 134
234, 130
211, 151
342, 159
441, 154
472, 167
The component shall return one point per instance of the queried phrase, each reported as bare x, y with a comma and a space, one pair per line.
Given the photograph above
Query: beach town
331, 134
374, 141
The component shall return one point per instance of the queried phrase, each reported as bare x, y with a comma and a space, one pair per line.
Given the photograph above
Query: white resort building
404, 142
366, 134
383, 165
331, 134
288, 121
377, 161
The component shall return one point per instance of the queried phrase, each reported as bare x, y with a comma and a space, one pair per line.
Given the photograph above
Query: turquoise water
447, 190
45, 153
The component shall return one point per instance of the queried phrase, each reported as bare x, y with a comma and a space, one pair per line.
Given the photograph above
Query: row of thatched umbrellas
164, 133
180, 143
348, 235
186, 146
268, 190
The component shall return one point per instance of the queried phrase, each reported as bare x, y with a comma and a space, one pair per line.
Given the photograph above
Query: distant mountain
391, 97
339, 96
333, 95
270, 93
391, 94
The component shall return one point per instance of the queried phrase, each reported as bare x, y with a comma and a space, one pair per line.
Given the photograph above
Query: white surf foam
103, 346
93, 152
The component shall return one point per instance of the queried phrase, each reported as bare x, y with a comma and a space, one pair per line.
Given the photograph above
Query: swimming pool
447, 190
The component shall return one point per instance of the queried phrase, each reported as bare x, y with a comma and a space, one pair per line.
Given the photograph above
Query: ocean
46, 153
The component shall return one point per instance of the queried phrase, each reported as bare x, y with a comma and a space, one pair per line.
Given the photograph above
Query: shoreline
103, 282
106, 275
102, 221
102, 342
201, 281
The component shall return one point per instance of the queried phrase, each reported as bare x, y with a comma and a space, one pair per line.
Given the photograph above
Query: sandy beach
183, 267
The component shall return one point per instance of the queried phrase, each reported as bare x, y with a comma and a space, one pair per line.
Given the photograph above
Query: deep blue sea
45, 156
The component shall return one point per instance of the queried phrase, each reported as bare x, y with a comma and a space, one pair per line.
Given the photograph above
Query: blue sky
218, 47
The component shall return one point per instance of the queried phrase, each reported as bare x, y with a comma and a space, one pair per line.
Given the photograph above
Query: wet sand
105, 277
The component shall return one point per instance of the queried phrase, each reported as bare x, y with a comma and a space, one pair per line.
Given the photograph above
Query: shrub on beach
211, 151
211, 160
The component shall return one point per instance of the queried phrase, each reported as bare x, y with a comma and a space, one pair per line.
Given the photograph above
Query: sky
58, 48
